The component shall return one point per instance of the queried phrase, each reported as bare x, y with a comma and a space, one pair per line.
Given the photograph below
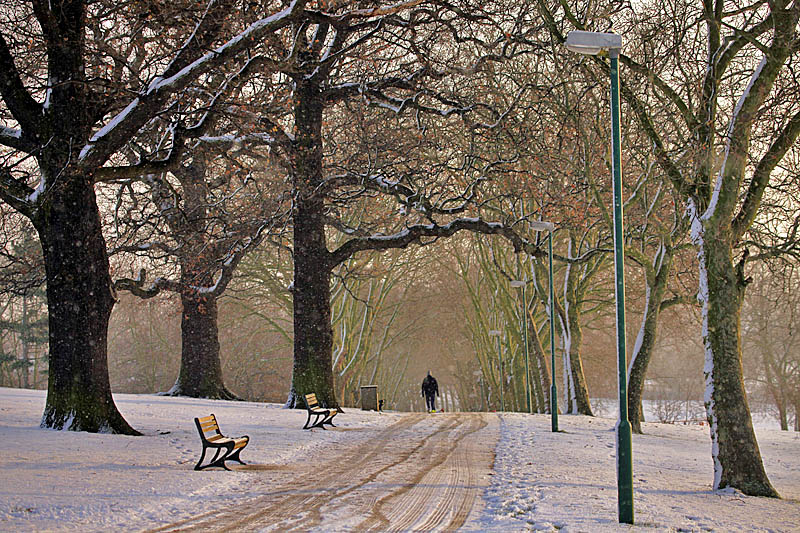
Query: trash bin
369, 398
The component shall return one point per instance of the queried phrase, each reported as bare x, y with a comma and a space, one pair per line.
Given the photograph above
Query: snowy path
422, 473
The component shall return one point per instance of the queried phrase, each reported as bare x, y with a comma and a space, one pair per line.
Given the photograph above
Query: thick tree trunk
782, 416
643, 349
201, 369
80, 301
313, 334
569, 315
737, 459
777, 391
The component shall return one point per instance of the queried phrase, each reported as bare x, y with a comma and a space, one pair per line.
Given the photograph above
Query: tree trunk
797, 412
80, 301
581, 393
643, 349
777, 392
569, 315
782, 415
313, 333
737, 459
25, 339
542, 381
201, 369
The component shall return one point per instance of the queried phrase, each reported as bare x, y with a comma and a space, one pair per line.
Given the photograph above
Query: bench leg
235, 456
217, 460
202, 456
319, 420
221, 461
214, 460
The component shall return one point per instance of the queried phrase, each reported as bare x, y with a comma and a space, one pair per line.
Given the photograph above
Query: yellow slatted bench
229, 448
322, 415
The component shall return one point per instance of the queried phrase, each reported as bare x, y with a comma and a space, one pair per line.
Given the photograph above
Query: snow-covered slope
58, 480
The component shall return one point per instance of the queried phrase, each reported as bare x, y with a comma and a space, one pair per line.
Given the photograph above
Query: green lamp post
553, 388
549, 227
596, 43
539, 225
520, 284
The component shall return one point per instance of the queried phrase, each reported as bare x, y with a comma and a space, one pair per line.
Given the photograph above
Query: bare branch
23, 107
136, 286
118, 131
417, 234
749, 209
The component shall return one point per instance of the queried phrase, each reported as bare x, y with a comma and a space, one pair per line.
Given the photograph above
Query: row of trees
173, 140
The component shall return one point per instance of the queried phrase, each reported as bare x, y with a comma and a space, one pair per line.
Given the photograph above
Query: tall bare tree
769, 332
70, 103
719, 145
362, 74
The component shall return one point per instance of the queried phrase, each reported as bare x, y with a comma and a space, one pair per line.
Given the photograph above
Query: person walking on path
430, 389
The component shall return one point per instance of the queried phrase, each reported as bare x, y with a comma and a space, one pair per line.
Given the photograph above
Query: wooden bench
322, 415
229, 448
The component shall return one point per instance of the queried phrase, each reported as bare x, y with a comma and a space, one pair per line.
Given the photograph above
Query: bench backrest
311, 400
206, 425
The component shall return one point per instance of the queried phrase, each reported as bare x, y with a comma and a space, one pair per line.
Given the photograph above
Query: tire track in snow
442, 490
423, 472
301, 493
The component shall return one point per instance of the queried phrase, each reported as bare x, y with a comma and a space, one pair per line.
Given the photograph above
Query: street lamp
517, 284
553, 388
539, 225
595, 43
548, 227
496, 333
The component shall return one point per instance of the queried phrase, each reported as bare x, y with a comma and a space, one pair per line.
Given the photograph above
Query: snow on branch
381, 11
136, 285
425, 234
180, 134
116, 133
9, 133
13, 138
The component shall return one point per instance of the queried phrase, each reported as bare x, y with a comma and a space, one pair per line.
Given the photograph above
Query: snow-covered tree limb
417, 234
118, 131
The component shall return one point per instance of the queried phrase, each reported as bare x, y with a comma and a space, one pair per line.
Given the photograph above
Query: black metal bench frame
230, 448
322, 415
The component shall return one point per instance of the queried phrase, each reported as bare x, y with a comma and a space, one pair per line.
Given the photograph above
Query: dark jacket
430, 386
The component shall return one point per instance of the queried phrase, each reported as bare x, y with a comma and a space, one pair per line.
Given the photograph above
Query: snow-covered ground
58, 480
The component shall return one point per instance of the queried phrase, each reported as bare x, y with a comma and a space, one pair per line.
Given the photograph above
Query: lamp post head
517, 283
540, 225
494, 333
593, 43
